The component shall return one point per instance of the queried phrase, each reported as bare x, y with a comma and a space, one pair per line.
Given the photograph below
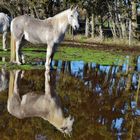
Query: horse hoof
4, 49
23, 62
13, 62
18, 63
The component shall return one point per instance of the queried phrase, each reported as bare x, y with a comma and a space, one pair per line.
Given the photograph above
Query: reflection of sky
138, 64
104, 68
117, 124
135, 80
126, 64
134, 106
77, 67
137, 112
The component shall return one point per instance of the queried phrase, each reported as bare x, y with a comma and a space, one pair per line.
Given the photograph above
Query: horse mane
63, 13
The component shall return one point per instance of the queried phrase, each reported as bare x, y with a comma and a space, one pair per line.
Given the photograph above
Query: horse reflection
46, 106
3, 80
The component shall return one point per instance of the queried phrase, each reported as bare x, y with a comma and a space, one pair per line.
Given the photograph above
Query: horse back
33, 30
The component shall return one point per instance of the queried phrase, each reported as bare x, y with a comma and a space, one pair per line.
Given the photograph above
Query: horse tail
13, 48
11, 84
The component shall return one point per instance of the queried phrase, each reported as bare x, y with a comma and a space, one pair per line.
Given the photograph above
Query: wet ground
112, 47
87, 100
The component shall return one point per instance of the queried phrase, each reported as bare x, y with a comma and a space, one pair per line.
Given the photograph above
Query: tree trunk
134, 18
100, 28
101, 32
130, 31
123, 29
113, 29
92, 25
87, 27
36, 13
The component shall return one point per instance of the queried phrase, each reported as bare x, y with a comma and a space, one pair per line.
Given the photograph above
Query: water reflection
111, 94
103, 99
46, 106
3, 80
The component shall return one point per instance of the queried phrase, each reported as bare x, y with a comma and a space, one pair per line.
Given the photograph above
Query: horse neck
56, 118
62, 21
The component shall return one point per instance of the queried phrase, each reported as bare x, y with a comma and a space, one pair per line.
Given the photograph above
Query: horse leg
47, 83
22, 58
4, 41
17, 51
14, 100
48, 57
21, 55
53, 52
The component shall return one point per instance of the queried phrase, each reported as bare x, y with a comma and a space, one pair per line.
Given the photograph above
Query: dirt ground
107, 47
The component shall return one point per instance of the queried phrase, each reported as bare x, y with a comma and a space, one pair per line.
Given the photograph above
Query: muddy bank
101, 46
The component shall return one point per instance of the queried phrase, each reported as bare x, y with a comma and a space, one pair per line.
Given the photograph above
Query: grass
121, 42
87, 55
64, 53
78, 54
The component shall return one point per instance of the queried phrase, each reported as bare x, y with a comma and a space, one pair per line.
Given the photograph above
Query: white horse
46, 106
50, 31
4, 27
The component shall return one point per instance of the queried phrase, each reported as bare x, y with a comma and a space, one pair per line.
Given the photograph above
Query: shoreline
102, 46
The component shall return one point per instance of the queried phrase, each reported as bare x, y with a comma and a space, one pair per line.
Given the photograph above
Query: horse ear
76, 8
72, 7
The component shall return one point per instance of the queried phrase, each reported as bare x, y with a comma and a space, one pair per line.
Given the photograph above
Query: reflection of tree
102, 98
137, 91
66, 67
99, 100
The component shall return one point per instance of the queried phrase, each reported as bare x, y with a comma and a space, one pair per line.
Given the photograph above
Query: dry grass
109, 41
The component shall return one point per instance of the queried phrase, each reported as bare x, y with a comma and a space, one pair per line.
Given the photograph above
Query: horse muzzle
76, 27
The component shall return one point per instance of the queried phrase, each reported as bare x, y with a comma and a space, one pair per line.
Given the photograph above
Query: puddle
87, 100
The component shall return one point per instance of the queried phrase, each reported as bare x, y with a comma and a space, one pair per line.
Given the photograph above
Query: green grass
87, 55
65, 54
78, 54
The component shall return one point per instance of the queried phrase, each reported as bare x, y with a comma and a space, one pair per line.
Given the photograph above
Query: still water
89, 101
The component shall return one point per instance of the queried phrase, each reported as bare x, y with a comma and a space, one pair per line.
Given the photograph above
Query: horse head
66, 128
73, 17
